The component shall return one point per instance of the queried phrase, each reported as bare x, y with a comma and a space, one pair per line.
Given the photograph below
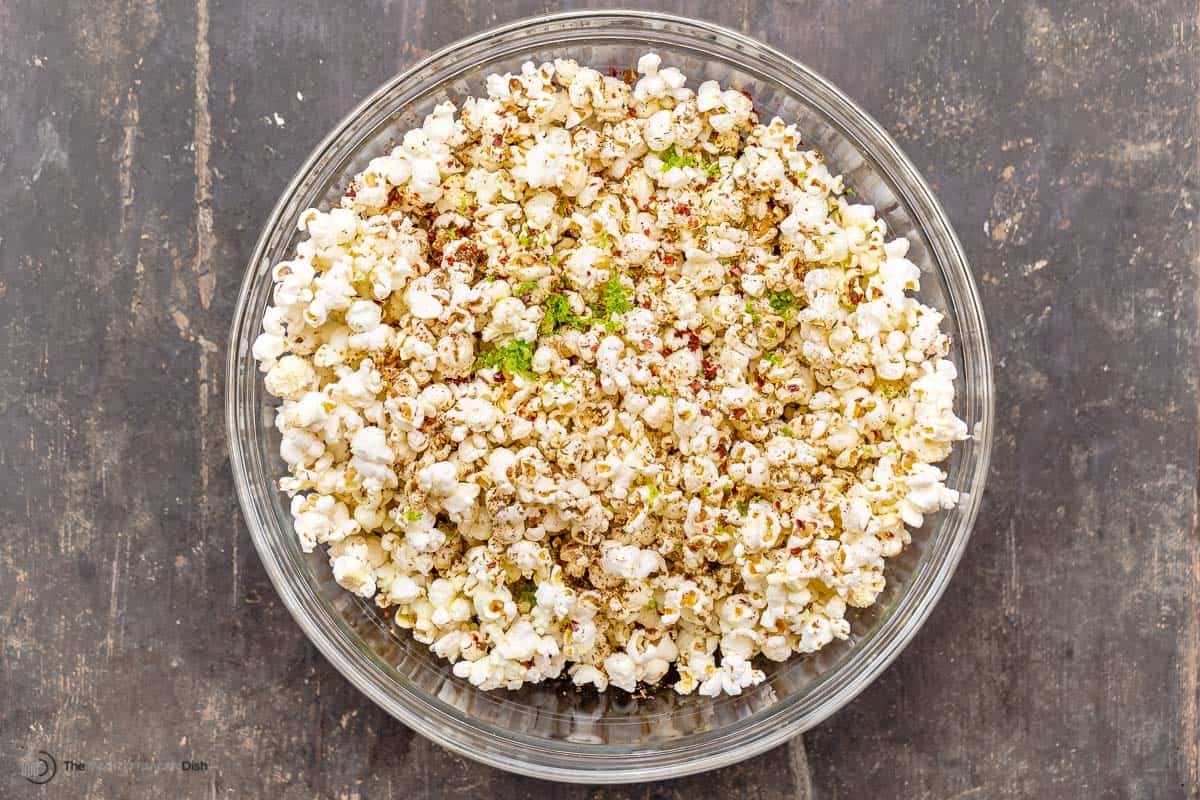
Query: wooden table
142, 143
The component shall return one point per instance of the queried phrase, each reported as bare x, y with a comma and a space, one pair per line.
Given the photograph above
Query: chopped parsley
651, 494
887, 391
652, 605
559, 315
515, 358
752, 312
773, 359
782, 302
743, 507
787, 432
660, 391
413, 516
850, 192
526, 288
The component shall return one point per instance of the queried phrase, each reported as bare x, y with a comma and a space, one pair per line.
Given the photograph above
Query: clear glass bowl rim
511, 750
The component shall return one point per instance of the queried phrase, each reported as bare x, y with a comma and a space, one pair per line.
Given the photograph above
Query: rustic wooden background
141, 145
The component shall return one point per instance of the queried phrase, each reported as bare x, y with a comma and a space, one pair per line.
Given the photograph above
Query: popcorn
290, 378
372, 458
597, 380
630, 562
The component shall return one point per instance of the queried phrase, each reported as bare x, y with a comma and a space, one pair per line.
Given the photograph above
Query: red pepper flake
497, 140
854, 290
695, 386
669, 260
710, 369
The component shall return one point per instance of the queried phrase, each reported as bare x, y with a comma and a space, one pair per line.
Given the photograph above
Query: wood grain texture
142, 143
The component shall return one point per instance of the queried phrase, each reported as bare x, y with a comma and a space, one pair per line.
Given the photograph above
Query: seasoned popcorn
607, 381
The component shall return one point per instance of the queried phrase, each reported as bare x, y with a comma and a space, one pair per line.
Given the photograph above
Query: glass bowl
542, 730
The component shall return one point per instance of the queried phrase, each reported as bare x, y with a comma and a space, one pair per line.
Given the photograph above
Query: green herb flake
782, 302
525, 239
743, 507
659, 391
515, 358
773, 359
614, 301
850, 192
559, 315
672, 158
752, 312
528, 287
887, 391
413, 516
652, 605
787, 432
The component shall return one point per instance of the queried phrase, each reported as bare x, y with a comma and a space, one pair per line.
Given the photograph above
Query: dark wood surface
142, 143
